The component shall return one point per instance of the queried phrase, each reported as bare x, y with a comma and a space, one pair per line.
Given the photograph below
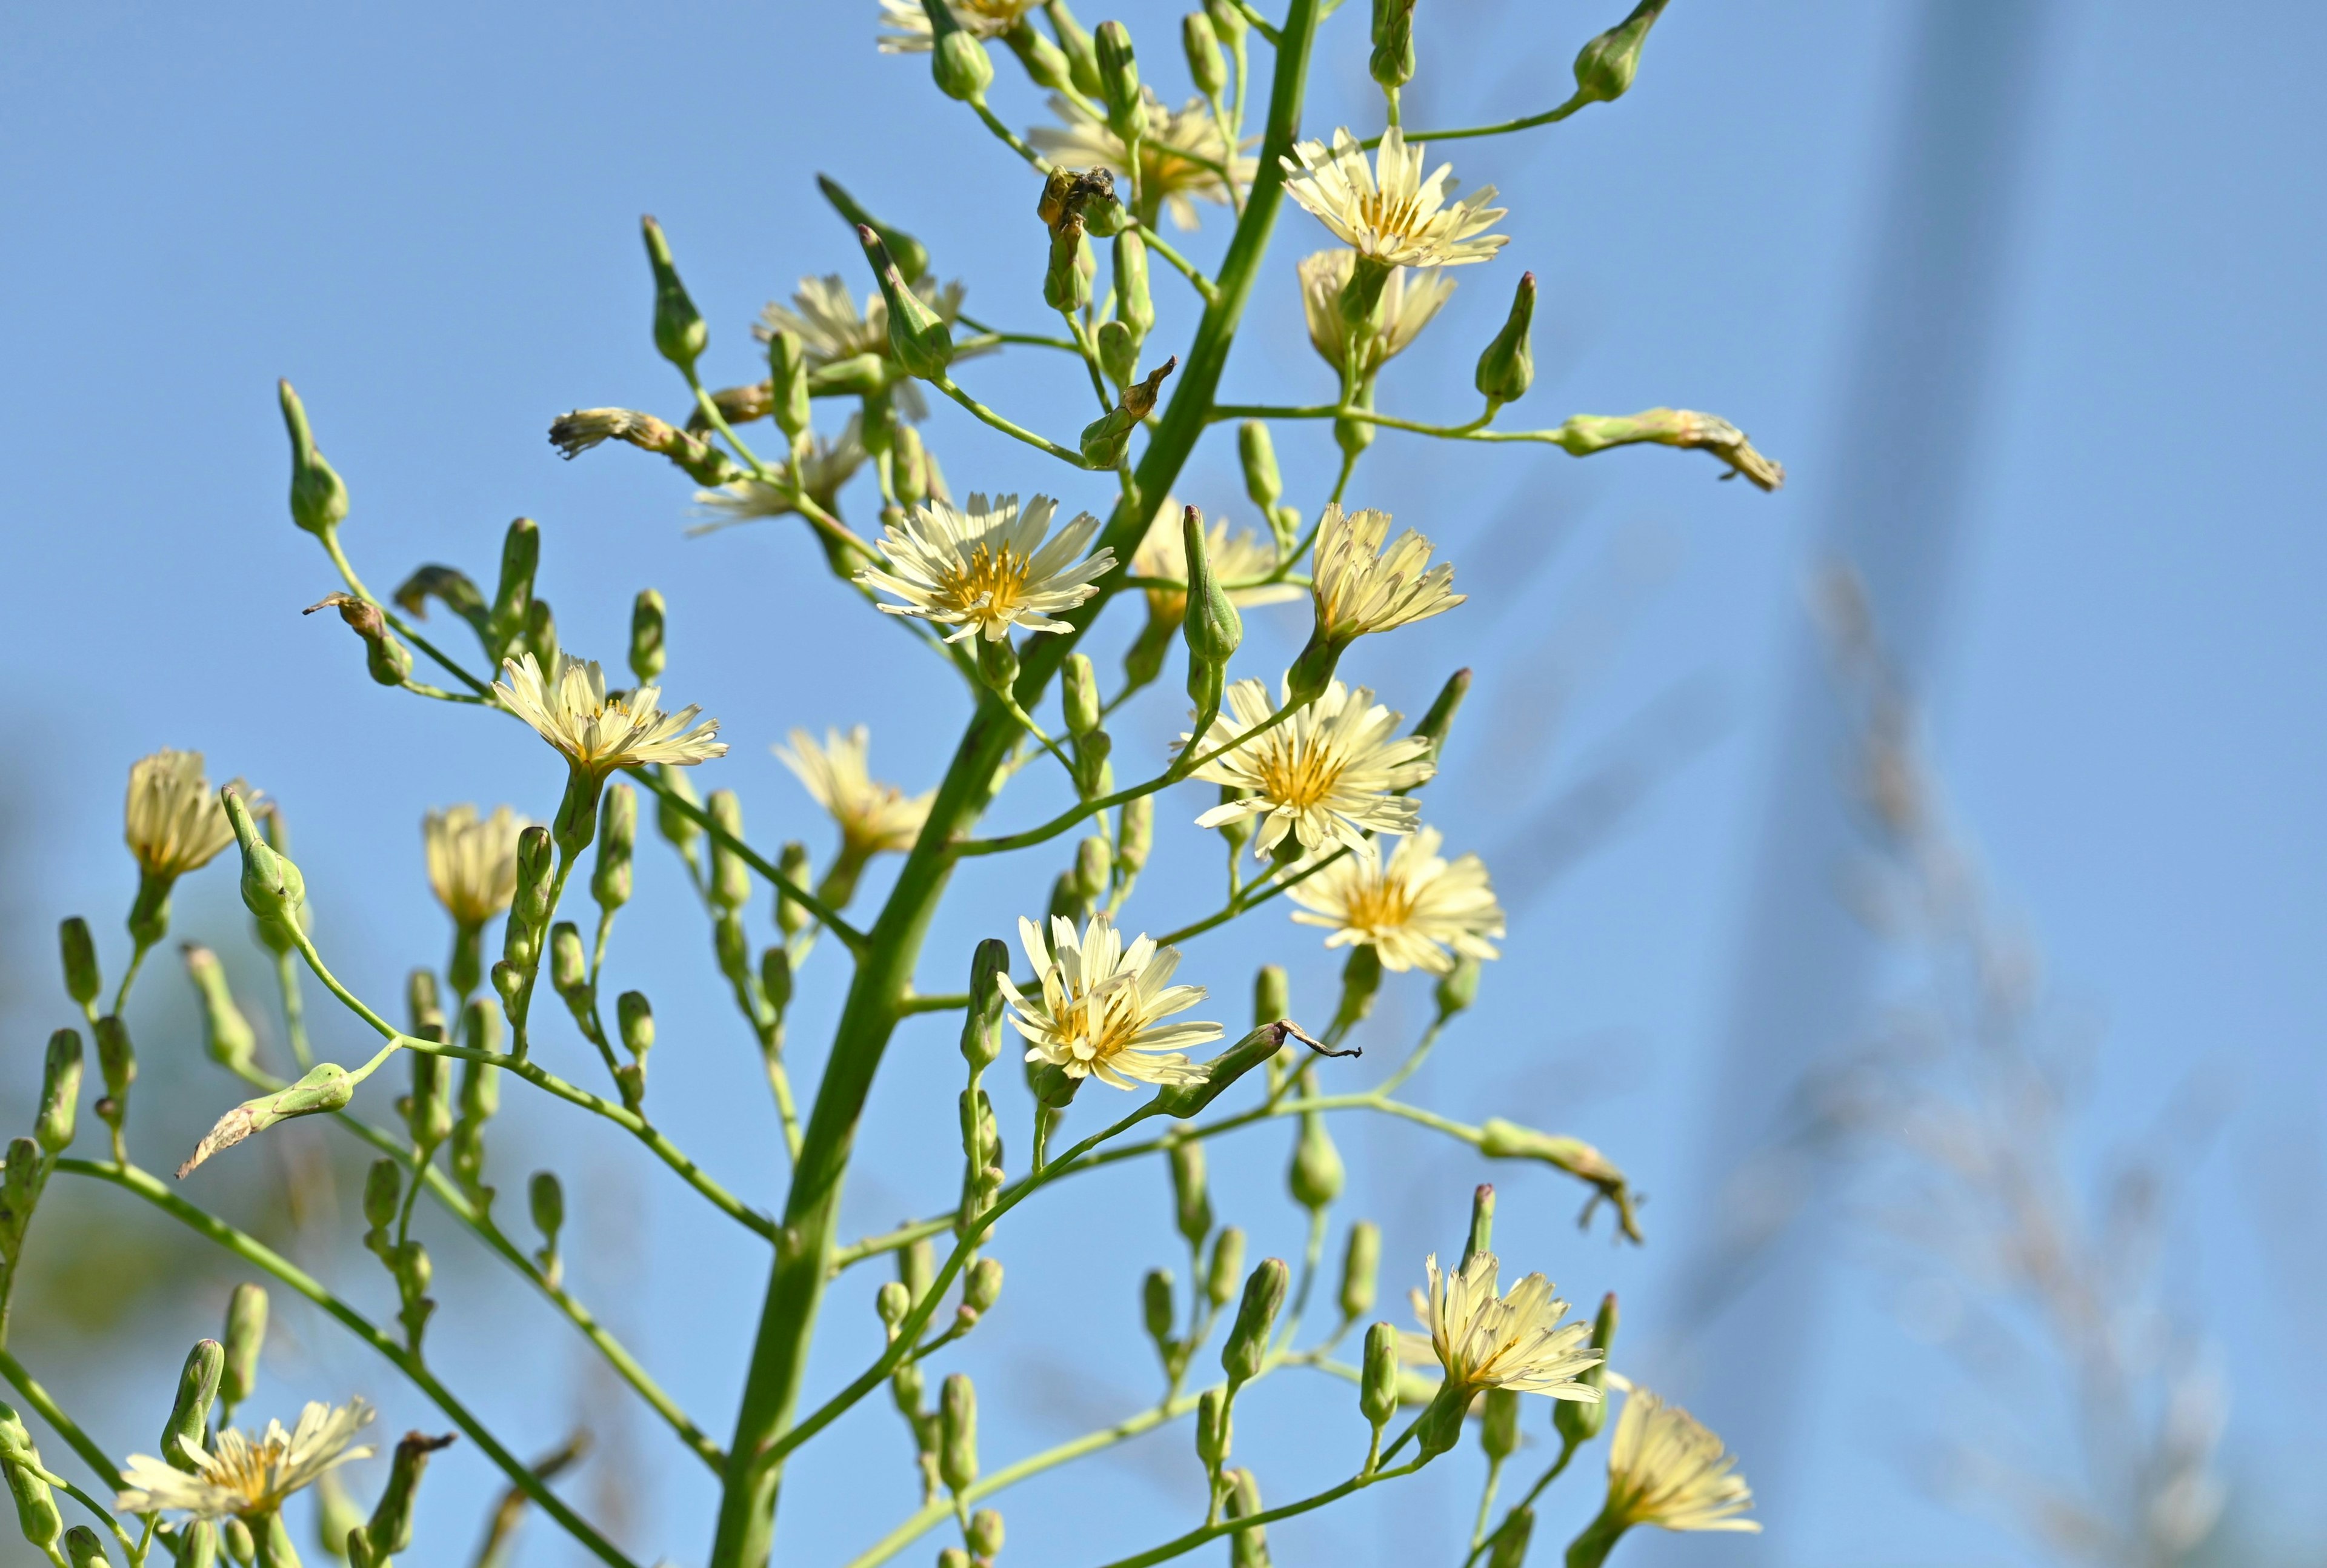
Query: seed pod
1191, 1203
1157, 1310
1377, 1384
1227, 1265
1577, 1420
1499, 1423
731, 878
383, 1186
1207, 66
981, 1286
1248, 1341
679, 334
1215, 1428
1506, 367
1360, 1261
1317, 1176
1118, 81
1246, 1548
390, 1529
1605, 67
83, 980
986, 1532
1510, 1542
319, 497
272, 887
958, 1432
793, 916
190, 1412
246, 1337
53, 1127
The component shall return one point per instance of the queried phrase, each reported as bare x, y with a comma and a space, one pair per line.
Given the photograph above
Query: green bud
1362, 975
958, 1432
913, 258
546, 1195
117, 1064
1156, 1309
1502, 1140
776, 979
1221, 1072
1136, 835
1046, 63
83, 1549
327, 1086
1065, 285
1576, 1421
569, 966
428, 1112
21, 1180
731, 878
422, 1004
953, 1557
37, 1514
679, 334
1118, 81
1377, 1384
1499, 1423
635, 1017
1248, 1341
1392, 62
541, 635
909, 468
1259, 454
576, 822
1079, 694
246, 1337
1213, 628
1507, 368
53, 1127
791, 916
1605, 66
959, 59
199, 1545
1094, 863
981, 1028
1191, 1203
891, 1302
1317, 1176
981, 1284
190, 1412
1246, 1548
646, 638
788, 390
1483, 1222
1226, 1267
1227, 20
235, 1535
448, 587
391, 1530
1054, 1088
618, 831
513, 595
1215, 1428
272, 887
529, 907
1439, 1426
319, 497
383, 1186
336, 1514
1134, 307
917, 1267
1118, 352
1081, 49
1459, 987
986, 1532
83, 980
1510, 1547
677, 827
997, 664
1207, 66
919, 338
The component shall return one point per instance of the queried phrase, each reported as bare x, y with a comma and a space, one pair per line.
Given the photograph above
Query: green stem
945, 384
1016, 144
1548, 116
295, 1010
850, 937
1180, 264
1201, 1533
260, 1256
64, 1425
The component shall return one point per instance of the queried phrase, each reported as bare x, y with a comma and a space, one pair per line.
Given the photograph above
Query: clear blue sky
425, 216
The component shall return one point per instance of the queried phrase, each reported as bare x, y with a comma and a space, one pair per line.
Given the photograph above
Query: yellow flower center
1097, 1025
1389, 219
1299, 776
989, 584
1380, 904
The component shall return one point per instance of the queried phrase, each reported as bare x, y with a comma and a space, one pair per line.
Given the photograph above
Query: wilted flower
824, 316
1388, 212
1415, 909
472, 861
600, 733
1323, 776
1514, 1341
874, 817
907, 24
577, 432
986, 568
174, 821
246, 1478
1407, 304
1358, 587
1101, 1005
1182, 152
1235, 558
1665, 1468
827, 466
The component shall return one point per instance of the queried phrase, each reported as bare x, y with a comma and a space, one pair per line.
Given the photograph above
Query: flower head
1358, 587
1181, 151
986, 568
246, 1477
1388, 212
1514, 1341
1409, 302
1324, 776
825, 316
1415, 910
907, 25
873, 816
1101, 1005
1235, 558
174, 820
600, 733
472, 861
826, 466
1666, 1468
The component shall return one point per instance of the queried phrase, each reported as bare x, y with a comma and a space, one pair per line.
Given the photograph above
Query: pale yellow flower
1358, 587
244, 1477
1236, 558
830, 328
1515, 1341
1182, 152
600, 733
827, 466
873, 816
1409, 302
1101, 1005
1388, 212
472, 861
907, 25
1415, 910
1323, 776
986, 568
1666, 1468
174, 820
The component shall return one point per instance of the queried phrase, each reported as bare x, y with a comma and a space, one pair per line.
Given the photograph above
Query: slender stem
1548, 116
295, 1010
945, 1004
1415, 1057
130, 1178
1253, 897
850, 937
1479, 1545
1486, 1502
347, 570
1201, 1533
1180, 264
129, 976
945, 384
1090, 362
1030, 340
1016, 143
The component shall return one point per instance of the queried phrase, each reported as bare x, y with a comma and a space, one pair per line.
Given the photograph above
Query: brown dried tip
361, 613
1286, 1027
232, 1128
1728, 443
1139, 397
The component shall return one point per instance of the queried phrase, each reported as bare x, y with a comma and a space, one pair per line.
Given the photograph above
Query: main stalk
804, 1246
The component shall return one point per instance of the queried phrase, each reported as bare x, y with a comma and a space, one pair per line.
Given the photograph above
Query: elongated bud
21, 1180
1499, 1423
390, 1529
83, 1549
776, 979
83, 980
918, 336
958, 1432
513, 591
1215, 1428
319, 497
190, 1412
37, 1514
646, 638
1258, 453
986, 1532
1137, 834
788, 393
422, 1007
1483, 1222
1506, 368
1502, 1140
1248, 1341
678, 829
1317, 1176
731, 878
635, 1017
546, 1196
428, 1111
1246, 1548
911, 256
1105, 440
1046, 63
997, 664
679, 334
791, 916
1207, 66
239, 1547
981, 1284
1459, 987
1605, 67
117, 1066
327, 1086
53, 1127
1066, 286
1226, 1267
569, 966
1094, 864
1392, 61
909, 468
541, 635
1081, 49
245, 1338
1134, 306
981, 1028
1361, 976
1157, 1310
530, 906
1191, 1203
917, 1266
1079, 694
618, 831
1228, 21
272, 887
1360, 1263
890, 1302
1212, 628
959, 64
1118, 81
1118, 352
1510, 1547
1577, 1420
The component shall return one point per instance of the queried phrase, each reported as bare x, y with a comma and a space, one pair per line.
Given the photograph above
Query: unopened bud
236, 1536
1191, 1203
788, 393
1094, 864
319, 497
117, 1066
1605, 66
245, 1338
776, 979
1137, 834
1079, 694
986, 1532
1458, 987
958, 1432
1134, 306
1392, 62
1081, 49
383, 1186
83, 980
1215, 1428
1259, 454
679, 334
1499, 1423
1118, 352
1212, 628
892, 1300
635, 1017
83, 1549
917, 1266
1248, 1341
961, 67
272, 887
1317, 1176
1507, 368
1361, 979
390, 1529
1156, 1309
909, 468
1483, 1222
190, 1411
618, 831
1226, 1267
1579, 1420
647, 657
1106, 439
569, 966
546, 1196
791, 916
997, 664
677, 829
911, 256
919, 338
1227, 20
730, 877
1510, 1547
53, 1127
1377, 1383
1246, 1548
428, 1113
37, 1514
541, 635
1046, 63
1360, 1262
1207, 66
981, 1028
1066, 286
1118, 81
981, 1284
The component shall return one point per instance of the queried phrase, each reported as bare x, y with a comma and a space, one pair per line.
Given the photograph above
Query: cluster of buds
529, 917
388, 1215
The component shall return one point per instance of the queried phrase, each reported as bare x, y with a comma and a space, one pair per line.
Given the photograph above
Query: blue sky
425, 217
